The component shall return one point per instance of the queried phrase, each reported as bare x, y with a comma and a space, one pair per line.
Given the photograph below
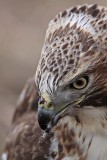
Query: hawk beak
45, 118
48, 118
48, 115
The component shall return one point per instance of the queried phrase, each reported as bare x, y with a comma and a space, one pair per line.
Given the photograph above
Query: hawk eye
80, 83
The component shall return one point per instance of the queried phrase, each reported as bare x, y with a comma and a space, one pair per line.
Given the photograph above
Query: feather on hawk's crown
74, 38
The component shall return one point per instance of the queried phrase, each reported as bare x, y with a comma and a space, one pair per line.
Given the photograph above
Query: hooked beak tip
45, 119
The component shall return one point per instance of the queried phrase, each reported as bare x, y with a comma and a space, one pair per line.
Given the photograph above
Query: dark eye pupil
79, 82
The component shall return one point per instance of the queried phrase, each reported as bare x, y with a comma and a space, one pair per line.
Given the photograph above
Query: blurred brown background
22, 30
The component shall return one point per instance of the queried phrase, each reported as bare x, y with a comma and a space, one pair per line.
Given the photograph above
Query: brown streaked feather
28, 100
22, 142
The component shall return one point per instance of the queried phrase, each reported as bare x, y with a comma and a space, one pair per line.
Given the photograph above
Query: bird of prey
71, 82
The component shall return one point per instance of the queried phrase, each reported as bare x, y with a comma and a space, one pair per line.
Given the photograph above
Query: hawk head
72, 72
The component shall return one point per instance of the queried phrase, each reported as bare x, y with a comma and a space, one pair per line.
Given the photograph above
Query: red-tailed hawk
71, 81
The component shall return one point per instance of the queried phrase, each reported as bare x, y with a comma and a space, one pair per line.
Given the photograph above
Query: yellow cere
48, 102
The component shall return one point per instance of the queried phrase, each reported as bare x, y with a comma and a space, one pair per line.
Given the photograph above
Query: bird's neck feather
82, 140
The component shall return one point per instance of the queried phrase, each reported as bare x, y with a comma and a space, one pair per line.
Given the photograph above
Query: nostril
42, 101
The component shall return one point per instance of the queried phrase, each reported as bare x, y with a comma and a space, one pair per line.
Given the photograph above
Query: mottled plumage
73, 39
24, 140
71, 81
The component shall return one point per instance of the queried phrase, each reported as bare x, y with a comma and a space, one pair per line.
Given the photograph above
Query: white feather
4, 156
